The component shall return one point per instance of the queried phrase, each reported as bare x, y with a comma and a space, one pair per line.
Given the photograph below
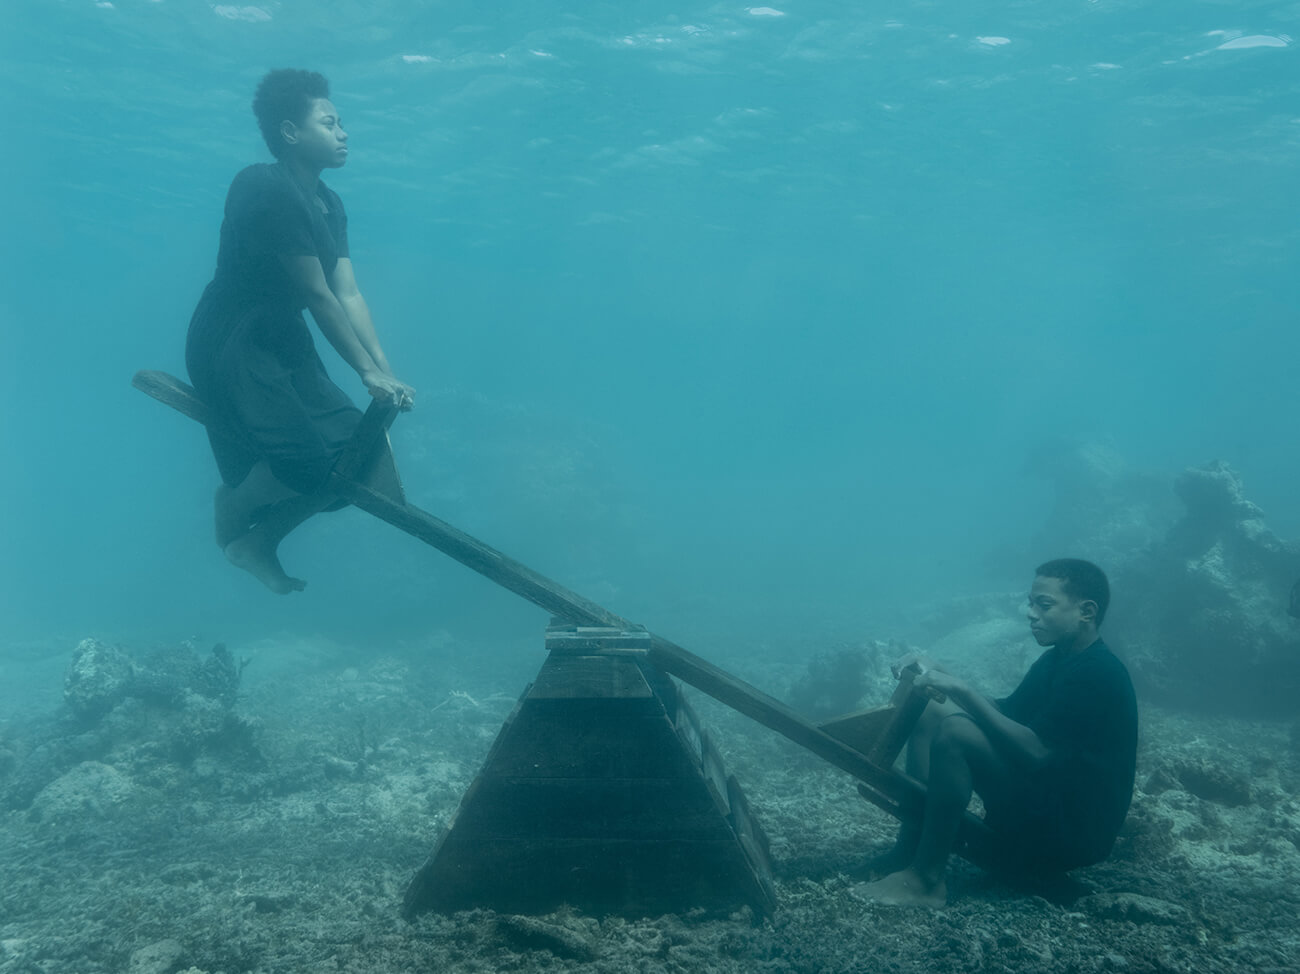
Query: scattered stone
161, 957
90, 790
269, 901
184, 873
339, 768
1135, 908
529, 933
1214, 784
1160, 781
12, 947
98, 679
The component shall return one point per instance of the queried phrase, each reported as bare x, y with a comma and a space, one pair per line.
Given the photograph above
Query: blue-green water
738, 320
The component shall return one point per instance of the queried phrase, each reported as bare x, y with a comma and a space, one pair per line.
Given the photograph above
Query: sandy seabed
282, 839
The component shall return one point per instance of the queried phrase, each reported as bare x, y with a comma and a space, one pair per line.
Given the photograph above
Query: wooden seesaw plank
171, 391
895, 793
345, 480
482, 558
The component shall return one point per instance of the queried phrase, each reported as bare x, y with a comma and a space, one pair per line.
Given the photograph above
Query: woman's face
319, 140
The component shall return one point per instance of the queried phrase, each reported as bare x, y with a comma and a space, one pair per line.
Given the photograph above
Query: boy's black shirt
1084, 710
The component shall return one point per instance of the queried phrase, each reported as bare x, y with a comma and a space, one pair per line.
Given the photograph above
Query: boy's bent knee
958, 731
935, 714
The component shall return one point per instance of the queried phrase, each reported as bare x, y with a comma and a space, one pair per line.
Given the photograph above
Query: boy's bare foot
896, 859
904, 888
251, 553
231, 519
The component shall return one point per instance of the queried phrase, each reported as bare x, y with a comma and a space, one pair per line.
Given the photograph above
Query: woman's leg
257, 551
236, 507
253, 518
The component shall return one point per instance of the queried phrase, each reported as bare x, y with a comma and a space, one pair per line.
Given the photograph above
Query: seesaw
601, 790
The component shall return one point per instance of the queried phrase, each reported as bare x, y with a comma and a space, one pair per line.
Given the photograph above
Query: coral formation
180, 701
1201, 585
837, 680
1101, 505
1203, 612
99, 678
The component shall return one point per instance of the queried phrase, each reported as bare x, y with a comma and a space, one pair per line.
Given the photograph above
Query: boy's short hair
1080, 580
285, 93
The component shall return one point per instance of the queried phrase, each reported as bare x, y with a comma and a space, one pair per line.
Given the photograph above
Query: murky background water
746, 321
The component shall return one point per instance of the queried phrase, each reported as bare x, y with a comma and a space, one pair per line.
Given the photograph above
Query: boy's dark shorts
1030, 832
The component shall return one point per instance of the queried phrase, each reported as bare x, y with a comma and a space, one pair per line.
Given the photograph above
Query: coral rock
162, 957
1135, 908
98, 678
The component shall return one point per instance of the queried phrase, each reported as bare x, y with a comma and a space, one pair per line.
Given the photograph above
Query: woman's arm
338, 328
343, 283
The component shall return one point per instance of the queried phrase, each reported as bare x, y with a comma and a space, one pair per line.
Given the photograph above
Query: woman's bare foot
255, 555
230, 516
906, 887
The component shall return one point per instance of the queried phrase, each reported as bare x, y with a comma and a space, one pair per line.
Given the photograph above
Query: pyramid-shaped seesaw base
601, 793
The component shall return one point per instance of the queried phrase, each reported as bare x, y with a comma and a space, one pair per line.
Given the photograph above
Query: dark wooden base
601, 793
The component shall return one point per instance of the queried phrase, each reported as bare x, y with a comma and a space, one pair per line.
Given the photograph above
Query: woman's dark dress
249, 352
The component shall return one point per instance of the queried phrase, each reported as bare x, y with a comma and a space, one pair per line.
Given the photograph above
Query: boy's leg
960, 760
916, 763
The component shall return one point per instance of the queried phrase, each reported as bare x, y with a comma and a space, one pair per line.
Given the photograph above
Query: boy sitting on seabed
1053, 763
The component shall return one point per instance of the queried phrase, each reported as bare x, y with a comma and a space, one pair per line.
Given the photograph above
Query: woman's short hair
285, 93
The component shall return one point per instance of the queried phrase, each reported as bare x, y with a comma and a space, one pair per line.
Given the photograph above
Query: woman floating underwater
284, 247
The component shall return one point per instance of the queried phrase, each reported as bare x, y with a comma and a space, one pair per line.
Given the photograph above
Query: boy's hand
946, 685
921, 663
